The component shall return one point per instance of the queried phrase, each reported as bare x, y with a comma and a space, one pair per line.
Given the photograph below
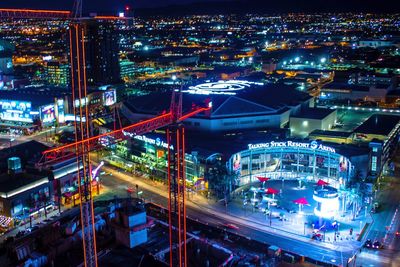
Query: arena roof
241, 100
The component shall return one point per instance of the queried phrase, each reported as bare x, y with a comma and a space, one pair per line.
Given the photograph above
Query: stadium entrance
290, 160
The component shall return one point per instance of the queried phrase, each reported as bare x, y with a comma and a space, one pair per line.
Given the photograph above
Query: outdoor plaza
303, 207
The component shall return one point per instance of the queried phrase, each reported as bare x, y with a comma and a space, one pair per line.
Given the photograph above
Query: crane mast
85, 143
82, 132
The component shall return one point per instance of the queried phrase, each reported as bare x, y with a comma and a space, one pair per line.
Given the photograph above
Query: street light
11, 140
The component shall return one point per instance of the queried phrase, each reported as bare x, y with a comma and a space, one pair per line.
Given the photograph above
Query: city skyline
201, 134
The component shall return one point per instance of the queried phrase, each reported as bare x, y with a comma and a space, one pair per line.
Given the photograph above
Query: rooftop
12, 184
228, 99
331, 133
345, 86
378, 124
27, 152
314, 113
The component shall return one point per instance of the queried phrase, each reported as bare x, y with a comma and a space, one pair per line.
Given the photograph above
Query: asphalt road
118, 183
386, 224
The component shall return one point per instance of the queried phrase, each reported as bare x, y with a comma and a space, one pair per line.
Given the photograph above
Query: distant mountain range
275, 7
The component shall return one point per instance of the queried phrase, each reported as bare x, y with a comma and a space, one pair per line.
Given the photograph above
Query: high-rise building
57, 73
6, 51
102, 52
128, 70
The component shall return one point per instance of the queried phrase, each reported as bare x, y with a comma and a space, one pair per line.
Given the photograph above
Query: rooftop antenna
77, 9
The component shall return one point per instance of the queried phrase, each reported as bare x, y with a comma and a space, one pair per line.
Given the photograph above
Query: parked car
377, 245
368, 243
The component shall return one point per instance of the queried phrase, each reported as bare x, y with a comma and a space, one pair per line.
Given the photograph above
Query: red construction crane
84, 143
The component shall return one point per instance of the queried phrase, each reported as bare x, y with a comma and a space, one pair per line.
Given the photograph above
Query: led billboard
11, 110
109, 98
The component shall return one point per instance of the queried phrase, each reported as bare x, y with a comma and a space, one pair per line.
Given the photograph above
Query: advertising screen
11, 110
60, 111
343, 164
237, 166
47, 114
109, 98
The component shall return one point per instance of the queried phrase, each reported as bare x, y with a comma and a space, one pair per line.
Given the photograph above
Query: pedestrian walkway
229, 213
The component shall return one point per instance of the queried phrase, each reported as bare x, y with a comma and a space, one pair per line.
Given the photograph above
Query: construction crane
84, 143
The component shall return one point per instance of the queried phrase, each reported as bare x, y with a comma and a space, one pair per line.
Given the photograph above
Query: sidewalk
231, 214
27, 225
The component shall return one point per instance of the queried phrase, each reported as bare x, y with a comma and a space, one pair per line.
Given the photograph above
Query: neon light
35, 11
24, 188
157, 142
127, 128
109, 17
221, 87
314, 145
184, 117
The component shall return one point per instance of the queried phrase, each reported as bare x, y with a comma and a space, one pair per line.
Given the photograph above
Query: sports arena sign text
314, 145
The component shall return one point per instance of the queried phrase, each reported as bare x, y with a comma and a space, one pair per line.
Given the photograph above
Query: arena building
236, 105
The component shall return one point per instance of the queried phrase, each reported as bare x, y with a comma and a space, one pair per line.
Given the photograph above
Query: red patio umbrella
262, 179
301, 201
272, 191
322, 182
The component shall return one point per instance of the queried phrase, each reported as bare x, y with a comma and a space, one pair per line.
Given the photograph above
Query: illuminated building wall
288, 158
19, 200
6, 52
327, 199
303, 124
57, 73
128, 70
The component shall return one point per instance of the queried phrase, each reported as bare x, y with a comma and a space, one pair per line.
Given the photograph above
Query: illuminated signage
314, 145
11, 110
60, 111
47, 113
109, 98
157, 142
79, 101
221, 87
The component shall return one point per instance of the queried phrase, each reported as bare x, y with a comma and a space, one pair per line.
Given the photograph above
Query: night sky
91, 4
280, 5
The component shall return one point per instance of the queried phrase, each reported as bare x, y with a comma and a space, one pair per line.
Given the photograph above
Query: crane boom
34, 13
100, 141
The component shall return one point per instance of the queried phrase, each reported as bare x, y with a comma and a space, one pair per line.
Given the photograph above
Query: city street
203, 210
386, 223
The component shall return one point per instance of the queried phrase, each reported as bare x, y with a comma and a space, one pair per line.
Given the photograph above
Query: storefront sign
314, 145
157, 142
